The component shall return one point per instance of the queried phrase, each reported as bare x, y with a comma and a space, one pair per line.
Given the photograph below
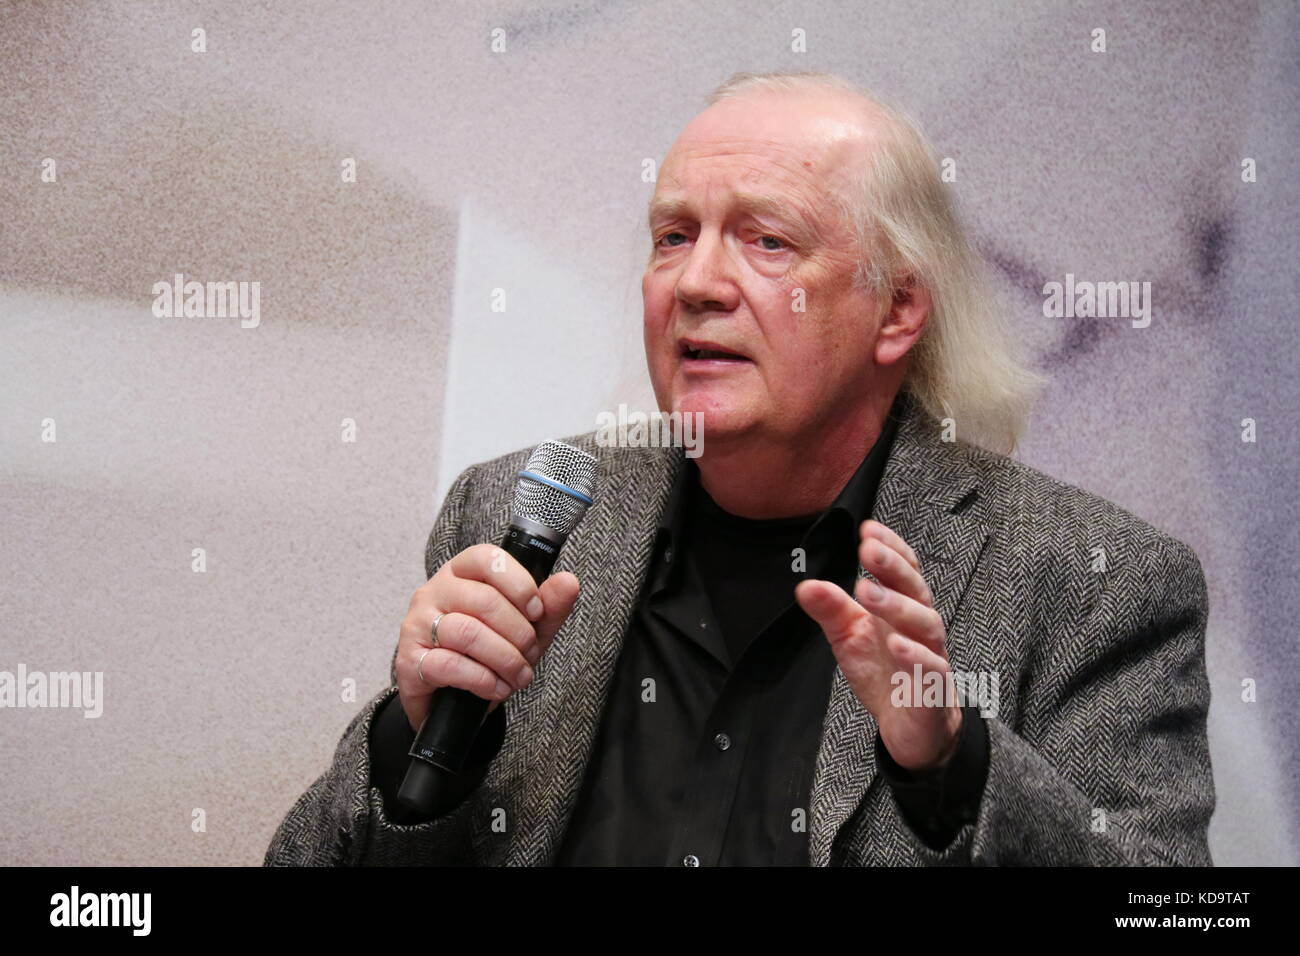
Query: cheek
657, 301
818, 348
799, 323
656, 329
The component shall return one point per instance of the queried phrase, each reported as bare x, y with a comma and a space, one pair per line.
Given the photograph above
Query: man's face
744, 233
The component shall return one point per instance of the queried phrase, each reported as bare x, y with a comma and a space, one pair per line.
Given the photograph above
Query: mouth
693, 351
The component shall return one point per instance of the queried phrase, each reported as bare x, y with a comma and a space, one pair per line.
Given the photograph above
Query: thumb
838, 615
559, 593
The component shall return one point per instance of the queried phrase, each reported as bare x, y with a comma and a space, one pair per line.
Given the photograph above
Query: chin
721, 420
728, 411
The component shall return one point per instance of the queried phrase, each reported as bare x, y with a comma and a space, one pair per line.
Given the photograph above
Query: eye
667, 234
781, 243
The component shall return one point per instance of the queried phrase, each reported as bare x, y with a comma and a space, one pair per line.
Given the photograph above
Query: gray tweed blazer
1093, 620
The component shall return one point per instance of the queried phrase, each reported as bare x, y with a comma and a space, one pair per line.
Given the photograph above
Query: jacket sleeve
1111, 765
340, 820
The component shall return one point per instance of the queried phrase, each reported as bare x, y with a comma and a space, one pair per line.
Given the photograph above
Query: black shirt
710, 731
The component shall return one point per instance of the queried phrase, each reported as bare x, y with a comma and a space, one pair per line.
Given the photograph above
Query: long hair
965, 366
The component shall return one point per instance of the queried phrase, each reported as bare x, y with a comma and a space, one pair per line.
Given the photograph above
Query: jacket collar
823, 542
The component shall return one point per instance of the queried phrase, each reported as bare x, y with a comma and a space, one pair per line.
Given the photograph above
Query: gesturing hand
893, 628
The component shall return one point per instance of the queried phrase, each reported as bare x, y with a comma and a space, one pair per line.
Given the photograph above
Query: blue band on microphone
555, 484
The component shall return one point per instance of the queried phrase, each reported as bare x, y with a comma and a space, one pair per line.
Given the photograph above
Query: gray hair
965, 366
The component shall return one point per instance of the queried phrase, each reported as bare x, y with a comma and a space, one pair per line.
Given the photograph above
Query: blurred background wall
520, 169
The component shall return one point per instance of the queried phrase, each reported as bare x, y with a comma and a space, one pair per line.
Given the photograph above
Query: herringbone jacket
1093, 620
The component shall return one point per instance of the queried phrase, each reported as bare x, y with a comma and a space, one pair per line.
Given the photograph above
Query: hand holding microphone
488, 642
496, 611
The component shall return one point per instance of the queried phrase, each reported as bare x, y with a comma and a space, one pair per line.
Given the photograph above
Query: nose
707, 281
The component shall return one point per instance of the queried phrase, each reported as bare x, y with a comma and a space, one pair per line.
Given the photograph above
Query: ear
903, 323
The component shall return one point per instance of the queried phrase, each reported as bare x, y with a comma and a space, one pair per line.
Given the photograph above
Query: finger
893, 569
903, 614
492, 565
490, 606
909, 652
470, 637
445, 668
838, 615
559, 593
882, 532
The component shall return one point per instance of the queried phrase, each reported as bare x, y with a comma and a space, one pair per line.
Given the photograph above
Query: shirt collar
825, 544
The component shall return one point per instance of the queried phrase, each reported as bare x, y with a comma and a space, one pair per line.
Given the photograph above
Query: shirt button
690, 859
668, 555
722, 741
703, 624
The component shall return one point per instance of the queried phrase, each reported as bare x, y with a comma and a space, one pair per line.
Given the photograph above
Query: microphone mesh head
550, 506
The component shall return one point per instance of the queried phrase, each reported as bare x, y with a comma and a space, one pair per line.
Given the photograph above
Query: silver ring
435, 628
419, 664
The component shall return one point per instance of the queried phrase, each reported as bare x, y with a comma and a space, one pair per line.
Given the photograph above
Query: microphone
554, 491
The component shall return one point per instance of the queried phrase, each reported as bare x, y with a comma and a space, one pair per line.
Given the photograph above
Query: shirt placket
715, 779
718, 756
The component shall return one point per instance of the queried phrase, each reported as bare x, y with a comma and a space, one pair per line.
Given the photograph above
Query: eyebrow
756, 204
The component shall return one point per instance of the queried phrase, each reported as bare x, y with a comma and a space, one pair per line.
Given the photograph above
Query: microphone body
455, 714
553, 493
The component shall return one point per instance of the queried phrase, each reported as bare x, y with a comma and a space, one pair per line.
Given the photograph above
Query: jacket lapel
924, 480
610, 552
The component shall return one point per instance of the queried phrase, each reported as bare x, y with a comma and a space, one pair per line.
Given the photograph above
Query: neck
761, 479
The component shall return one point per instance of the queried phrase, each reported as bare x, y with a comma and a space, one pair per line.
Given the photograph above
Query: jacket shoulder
1059, 516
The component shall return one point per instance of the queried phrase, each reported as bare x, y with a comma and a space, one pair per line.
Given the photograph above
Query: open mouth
710, 354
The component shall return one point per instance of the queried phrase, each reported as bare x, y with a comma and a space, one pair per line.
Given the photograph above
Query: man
762, 663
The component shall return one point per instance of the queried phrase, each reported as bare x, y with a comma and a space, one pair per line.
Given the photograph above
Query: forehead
793, 144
